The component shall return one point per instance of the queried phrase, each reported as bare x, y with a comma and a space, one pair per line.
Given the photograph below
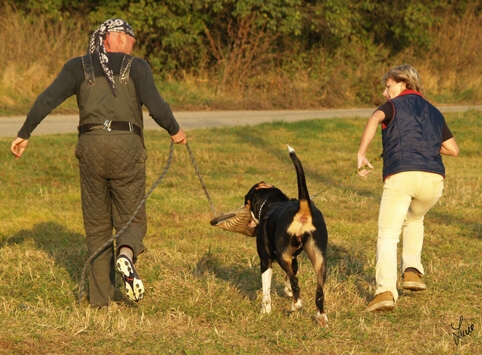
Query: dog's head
257, 198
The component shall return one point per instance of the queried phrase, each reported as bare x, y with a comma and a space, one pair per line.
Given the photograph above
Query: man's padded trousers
112, 180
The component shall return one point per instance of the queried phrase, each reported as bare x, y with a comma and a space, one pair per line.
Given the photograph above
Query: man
111, 86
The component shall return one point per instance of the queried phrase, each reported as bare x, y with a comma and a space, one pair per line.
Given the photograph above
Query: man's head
114, 35
110, 27
119, 42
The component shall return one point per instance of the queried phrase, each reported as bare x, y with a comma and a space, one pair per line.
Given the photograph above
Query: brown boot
412, 280
381, 303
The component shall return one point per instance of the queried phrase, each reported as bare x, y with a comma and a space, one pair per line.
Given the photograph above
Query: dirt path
9, 126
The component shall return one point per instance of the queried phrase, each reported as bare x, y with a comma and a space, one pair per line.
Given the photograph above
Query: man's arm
57, 92
149, 96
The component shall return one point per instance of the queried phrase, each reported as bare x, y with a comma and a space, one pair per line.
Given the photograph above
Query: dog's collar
261, 209
257, 220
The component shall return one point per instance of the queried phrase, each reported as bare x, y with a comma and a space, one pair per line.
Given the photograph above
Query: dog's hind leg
321, 316
288, 290
290, 266
318, 261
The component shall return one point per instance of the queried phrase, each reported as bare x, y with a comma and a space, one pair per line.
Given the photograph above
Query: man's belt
111, 125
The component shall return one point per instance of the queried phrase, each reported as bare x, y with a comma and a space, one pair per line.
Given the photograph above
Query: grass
203, 283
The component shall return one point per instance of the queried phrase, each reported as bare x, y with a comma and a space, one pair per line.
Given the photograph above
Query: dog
283, 228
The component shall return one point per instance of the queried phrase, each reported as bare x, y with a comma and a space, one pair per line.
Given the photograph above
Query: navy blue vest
412, 140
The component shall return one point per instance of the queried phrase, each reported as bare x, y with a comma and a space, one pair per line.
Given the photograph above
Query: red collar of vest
403, 93
410, 92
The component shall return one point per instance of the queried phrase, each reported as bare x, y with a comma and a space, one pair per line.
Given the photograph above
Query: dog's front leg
266, 277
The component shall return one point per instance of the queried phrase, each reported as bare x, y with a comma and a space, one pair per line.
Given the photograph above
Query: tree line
238, 40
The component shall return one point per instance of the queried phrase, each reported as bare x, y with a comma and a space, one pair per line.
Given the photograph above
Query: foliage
237, 54
191, 34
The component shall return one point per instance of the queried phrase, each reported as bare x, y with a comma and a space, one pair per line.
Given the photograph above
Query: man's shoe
381, 303
412, 280
133, 284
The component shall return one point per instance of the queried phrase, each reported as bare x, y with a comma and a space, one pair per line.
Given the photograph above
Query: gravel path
9, 126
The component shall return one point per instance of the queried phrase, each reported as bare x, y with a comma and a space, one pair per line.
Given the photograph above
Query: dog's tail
302, 222
300, 174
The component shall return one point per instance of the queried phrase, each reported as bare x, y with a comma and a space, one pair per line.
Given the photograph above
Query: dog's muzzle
236, 221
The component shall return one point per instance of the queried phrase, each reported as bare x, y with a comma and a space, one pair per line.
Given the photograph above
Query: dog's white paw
322, 320
288, 290
296, 306
266, 308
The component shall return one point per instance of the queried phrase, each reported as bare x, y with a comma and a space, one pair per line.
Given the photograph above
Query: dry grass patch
203, 288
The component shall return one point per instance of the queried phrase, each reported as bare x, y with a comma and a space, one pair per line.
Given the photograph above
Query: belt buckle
107, 125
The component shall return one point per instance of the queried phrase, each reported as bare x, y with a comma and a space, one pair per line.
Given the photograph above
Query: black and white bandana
96, 44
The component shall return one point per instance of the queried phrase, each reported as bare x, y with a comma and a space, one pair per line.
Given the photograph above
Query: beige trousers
406, 198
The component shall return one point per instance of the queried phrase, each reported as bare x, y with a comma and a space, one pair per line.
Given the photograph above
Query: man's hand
18, 147
179, 137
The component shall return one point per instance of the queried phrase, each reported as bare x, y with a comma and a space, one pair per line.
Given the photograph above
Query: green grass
203, 283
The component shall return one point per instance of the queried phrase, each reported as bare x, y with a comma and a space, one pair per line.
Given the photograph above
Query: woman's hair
407, 74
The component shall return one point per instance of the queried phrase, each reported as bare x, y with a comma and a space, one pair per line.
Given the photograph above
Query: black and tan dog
285, 227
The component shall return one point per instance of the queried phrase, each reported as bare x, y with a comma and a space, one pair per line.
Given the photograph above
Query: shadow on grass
65, 247
469, 225
343, 266
245, 279
346, 266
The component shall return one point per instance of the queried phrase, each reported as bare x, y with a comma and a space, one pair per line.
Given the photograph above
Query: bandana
96, 44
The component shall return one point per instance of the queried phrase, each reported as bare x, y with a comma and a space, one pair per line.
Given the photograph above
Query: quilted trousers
112, 180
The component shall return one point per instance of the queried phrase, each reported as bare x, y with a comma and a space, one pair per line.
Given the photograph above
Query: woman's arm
369, 132
450, 147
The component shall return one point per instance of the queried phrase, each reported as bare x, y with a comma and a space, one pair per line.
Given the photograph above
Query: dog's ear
263, 185
250, 194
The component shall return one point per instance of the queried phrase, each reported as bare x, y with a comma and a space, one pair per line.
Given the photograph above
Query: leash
153, 187
349, 175
200, 179
111, 240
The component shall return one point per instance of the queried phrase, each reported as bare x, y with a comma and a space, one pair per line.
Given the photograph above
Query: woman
414, 135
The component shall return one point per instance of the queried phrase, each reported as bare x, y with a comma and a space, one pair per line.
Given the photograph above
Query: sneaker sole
414, 286
382, 306
133, 284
